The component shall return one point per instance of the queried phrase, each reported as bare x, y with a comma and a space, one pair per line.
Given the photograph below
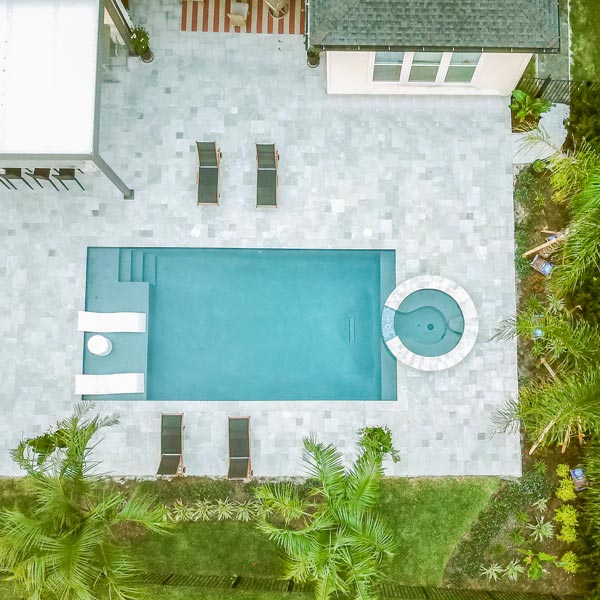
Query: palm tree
66, 546
555, 332
331, 536
554, 411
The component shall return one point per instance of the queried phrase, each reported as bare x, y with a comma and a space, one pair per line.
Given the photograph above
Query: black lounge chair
44, 175
14, 174
209, 160
239, 448
171, 445
267, 160
68, 175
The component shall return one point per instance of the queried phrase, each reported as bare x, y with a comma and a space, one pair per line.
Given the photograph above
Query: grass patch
585, 33
429, 517
213, 548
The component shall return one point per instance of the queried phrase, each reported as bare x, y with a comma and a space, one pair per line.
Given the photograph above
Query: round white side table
99, 345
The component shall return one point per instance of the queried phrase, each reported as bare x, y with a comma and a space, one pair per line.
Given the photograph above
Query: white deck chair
118, 383
128, 322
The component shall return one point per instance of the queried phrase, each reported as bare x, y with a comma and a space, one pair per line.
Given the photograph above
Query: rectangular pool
231, 324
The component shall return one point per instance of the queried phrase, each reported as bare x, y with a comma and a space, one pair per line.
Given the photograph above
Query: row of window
425, 67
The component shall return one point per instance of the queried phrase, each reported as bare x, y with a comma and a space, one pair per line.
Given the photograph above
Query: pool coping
430, 363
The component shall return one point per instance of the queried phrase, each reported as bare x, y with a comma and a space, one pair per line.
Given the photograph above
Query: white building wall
352, 73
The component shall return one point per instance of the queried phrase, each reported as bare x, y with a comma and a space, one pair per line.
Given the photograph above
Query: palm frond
507, 417
549, 410
283, 499
325, 464
362, 482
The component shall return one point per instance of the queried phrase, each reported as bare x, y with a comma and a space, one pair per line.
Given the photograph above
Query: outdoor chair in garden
171, 445
267, 161
541, 265
209, 161
13, 174
239, 448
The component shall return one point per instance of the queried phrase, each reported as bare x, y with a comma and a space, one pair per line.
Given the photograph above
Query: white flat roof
48, 56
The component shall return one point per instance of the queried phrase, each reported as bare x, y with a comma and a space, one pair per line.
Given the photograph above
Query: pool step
351, 329
137, 266
150, 268
124, 265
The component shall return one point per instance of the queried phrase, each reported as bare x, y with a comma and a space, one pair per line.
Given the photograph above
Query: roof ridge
337, 11
536, 17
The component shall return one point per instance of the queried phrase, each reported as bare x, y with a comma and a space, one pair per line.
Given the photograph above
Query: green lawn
214, 548
585, 40
428, 517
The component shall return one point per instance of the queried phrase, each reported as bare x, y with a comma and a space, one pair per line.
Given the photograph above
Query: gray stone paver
429, 177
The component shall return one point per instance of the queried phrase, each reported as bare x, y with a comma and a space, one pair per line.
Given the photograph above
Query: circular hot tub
429, 323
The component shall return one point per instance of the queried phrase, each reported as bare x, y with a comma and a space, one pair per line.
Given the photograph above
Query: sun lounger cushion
117, 383
171, 444
266, 191
128, 322
208, 172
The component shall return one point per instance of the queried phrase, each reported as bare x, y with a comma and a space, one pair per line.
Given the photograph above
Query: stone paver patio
429, 177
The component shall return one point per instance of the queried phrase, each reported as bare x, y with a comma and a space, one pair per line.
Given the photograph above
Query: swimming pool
251, 324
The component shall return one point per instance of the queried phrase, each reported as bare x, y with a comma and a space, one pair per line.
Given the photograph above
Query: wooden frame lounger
171, 445
240, 464
209, 177
267, 163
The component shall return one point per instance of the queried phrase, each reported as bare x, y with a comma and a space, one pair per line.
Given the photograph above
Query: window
425, 67
388, 66
462, 67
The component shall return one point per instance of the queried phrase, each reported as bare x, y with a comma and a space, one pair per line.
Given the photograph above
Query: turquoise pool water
230, 324
429, 322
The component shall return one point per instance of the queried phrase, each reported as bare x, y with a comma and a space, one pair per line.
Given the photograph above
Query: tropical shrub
513, 569
535, 562
526, 107
566, 515
139, 40
584, 117
565, 490
331, 535
563, 470
378, 439
541, 530
492, 572
569, 562
567, 534
65, 546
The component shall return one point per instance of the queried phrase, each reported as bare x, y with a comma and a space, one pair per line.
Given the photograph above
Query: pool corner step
149, 268
137, 265
124, 265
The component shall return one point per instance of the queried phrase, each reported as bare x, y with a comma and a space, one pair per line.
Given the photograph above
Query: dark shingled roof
526, 25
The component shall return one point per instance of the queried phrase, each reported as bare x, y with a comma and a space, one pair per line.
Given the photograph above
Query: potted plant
139, 42
527, 110
278, 8
313, 57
